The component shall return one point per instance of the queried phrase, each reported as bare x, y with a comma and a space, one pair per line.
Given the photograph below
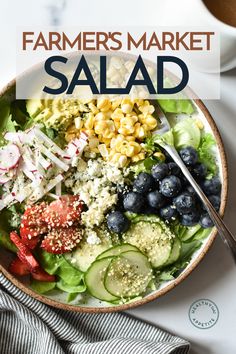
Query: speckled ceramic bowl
92, 305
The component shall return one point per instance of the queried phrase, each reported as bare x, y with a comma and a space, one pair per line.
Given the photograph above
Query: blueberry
174, 169
215, 201
211, 186
117, 222
190, 219
199, 170
156, 199
160, 171
185, 203
189, 156
169, 212
170, 186
205, 221
149, 210
133, 202
190, 190
143, 183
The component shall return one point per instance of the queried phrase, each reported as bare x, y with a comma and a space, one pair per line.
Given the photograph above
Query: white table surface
215, 277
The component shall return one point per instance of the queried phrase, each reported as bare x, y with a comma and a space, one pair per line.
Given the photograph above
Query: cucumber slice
94, 279
86, 254
190, 232
117, 250
154, 241
175, 252
128, 275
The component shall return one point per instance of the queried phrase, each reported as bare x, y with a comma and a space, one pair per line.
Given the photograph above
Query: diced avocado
34, 107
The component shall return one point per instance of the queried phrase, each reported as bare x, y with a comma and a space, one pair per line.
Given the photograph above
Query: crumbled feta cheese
92, 238
96, 185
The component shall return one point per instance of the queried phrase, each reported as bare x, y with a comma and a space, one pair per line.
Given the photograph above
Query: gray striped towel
28, 326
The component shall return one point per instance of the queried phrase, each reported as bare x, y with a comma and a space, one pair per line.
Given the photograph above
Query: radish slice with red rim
9, 157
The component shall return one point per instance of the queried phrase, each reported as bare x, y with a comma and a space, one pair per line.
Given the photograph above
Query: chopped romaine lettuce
172, 271
71, 279
186, 133
72, 289
70, 275
42, 287
6, 242
206, 153
144, 165
176, 106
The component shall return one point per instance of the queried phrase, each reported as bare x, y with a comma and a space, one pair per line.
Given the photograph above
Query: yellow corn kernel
126, 131
140, 131
100, 116
159, 155
127, 105
106, 141
101, 126
138, 102
103, 102
117, 114
146, 108
117, 125
199, 123
78, 122
130, 138
137, 147
115, 157
103, 150
89, 123
70, 136
138, 157
93, 142
93, 108
115, 104
151, 122
89, 132
108, 134
128, 150
122, 162
95, 150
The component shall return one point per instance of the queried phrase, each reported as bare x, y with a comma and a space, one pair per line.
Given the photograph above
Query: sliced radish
58, 189
44, 163
4, 178
54, 159
43, 137
9, 157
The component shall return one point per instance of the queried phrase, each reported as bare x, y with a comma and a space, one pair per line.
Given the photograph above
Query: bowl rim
158, 293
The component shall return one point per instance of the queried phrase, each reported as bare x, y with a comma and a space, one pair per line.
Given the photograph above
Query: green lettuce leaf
72, 289
172, 271
206, 153
186, 133
42, 287
176, 106
6, 242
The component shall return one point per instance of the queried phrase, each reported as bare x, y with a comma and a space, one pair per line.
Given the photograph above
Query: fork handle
224, 232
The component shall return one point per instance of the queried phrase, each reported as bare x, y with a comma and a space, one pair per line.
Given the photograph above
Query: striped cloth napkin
28, 326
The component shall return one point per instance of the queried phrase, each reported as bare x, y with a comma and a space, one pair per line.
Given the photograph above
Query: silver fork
224, 232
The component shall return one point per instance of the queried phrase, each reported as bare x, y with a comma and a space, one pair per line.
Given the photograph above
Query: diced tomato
61, 240
17, 267
41, 275
32, 217
63, 212
24, 253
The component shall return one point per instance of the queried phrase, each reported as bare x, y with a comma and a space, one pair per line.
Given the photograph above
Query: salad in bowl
93, 212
